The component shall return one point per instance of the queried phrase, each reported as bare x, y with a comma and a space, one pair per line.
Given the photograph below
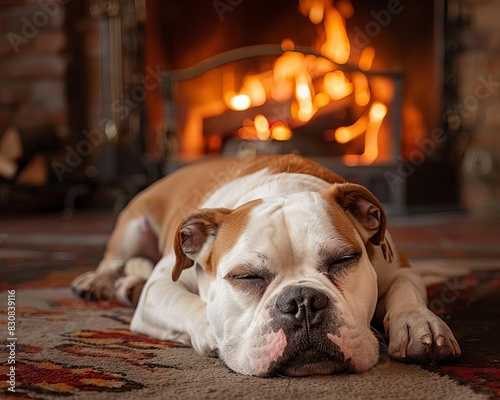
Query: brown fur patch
355, 199
230, 231
192, 234
291, 163
341, 221
402, 260
167, 202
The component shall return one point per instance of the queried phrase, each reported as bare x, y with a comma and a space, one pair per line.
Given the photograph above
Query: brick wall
478, 105
33, 64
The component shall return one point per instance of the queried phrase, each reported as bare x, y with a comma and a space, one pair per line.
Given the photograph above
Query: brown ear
367, 212
192, 235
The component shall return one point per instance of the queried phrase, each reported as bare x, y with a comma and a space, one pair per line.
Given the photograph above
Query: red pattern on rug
470, 304
467, 303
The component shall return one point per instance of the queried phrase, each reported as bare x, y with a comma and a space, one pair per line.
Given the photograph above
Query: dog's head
293, 290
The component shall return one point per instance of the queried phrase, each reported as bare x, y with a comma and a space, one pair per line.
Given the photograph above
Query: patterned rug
62, 347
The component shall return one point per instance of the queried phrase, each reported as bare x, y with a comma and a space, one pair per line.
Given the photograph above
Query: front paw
418, 335
204, 342
94, 286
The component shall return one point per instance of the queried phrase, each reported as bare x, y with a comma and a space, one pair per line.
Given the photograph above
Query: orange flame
376, 115
239, 102
317, 11
293, 78
314, 9
303, 94
337, 45
262, 127
288, 65
366, 58
321, 100
345, 8
285, 70
378, 112
361, 89
336, 85
280, 131
347, 133
254, 89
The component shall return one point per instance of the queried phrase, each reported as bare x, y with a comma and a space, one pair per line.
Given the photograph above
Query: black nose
302, 305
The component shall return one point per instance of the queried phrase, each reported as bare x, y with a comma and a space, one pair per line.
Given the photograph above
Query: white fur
288, 227
297, 225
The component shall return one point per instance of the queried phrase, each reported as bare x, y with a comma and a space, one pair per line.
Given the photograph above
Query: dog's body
291, 265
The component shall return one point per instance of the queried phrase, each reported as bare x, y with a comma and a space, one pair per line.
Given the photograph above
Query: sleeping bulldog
275, 264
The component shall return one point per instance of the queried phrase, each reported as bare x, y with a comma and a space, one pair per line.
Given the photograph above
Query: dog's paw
418, 335
128, 289
204, 342
94, 286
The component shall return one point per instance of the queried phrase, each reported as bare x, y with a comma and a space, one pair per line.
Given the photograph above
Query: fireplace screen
350, 85
322, 102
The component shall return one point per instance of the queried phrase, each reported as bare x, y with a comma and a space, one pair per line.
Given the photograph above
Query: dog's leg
174, 311
415, 333
129, 287
132, 236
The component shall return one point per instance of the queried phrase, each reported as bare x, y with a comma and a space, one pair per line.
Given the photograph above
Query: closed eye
249, 279
339, 264
345, 259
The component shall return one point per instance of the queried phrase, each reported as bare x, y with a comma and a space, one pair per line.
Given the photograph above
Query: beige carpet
69, 348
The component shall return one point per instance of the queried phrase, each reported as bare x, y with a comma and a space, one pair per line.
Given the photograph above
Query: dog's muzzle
307, 315
301, 308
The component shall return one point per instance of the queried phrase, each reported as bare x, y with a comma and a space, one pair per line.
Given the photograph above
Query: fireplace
357, 86
297, 101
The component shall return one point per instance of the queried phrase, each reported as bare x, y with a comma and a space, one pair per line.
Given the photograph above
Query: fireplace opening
357, 86
295, 101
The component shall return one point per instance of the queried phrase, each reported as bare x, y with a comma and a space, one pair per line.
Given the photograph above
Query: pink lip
273, 350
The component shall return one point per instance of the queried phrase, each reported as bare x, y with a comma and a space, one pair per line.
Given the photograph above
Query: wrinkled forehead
294, 228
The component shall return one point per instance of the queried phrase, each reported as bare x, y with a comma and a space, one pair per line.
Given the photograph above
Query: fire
337, 46
317, 11
375, 117
304, 97
308, 83
361, 89
336, 85
254, 89
259, 129
280, 131
366, 58
378, 112
321, 100
285, 71
262, 127
345, 8
314, 9
347, 133
240, 102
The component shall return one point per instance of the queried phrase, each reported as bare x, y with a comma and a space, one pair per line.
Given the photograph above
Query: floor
453, 235
42, 245
48, 251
